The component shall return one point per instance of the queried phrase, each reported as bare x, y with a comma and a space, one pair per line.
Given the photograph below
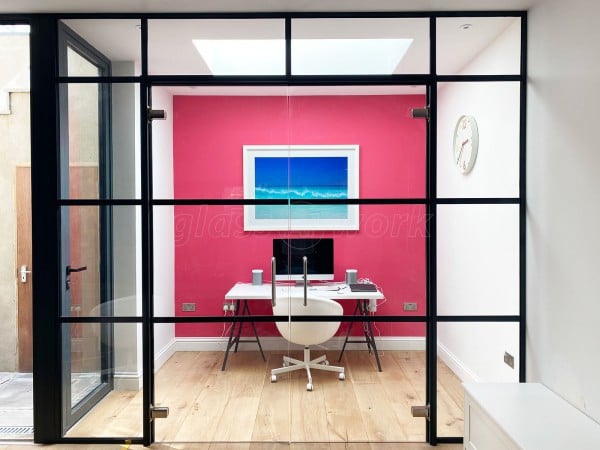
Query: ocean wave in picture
309, 192
301, 212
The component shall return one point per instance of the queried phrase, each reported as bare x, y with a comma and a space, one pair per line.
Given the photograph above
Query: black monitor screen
289, 252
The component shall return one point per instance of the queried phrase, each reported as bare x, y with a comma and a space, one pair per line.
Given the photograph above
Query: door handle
75, 269
23, 271
69, 271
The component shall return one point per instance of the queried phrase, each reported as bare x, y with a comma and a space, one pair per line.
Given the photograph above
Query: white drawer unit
526, 416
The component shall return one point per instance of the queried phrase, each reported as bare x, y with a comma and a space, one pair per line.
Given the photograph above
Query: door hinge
420, 113
156, 114
159, 412
420, 411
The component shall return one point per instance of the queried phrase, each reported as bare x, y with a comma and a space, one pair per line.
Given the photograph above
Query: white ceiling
172, 52
16, 6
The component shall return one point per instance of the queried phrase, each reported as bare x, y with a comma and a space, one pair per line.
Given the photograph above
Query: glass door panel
204, 259
356, 174
118, 412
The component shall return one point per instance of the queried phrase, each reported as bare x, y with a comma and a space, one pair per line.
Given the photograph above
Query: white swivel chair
307, 333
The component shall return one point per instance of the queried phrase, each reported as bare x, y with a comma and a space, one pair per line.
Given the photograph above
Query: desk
242, 292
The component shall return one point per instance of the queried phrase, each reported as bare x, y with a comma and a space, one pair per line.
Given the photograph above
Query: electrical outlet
509, 360
188, 307
228, 306
410, 306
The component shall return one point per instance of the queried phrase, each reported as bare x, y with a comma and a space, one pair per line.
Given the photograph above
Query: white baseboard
463, 372
163, 354
280, 344
128, 381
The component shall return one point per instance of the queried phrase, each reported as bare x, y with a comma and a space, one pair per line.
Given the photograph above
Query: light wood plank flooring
241, 405
237, 446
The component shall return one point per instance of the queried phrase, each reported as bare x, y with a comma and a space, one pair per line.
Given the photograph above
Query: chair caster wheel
325, 363
341, 376
273, 378
309, 387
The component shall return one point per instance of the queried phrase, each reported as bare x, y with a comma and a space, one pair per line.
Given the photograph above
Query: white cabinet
526, 416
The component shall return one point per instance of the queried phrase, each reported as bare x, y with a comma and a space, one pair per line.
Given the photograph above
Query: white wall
478, 246
563, 243
164, 238
126, 228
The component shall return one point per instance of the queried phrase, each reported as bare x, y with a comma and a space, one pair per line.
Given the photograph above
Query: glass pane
216, 47
210, 405
115, 389
116, 40
360, 46
199, 153
104, 241
80, 66
471, 352
478, 139
478, 259
100, 150
478, 45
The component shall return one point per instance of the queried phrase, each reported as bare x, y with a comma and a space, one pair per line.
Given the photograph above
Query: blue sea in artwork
301, 178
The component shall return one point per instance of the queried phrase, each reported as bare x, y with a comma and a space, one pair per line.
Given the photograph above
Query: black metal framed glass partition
223, 133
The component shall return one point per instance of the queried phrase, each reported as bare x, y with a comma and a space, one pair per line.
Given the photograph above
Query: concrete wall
563, 243
14, 151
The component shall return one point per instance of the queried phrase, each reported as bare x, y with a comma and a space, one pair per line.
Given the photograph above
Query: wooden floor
241, 409
229, 446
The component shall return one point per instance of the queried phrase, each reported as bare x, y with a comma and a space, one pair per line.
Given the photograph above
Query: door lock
23, 271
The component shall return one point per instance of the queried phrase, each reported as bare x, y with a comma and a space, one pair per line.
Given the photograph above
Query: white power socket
228, 307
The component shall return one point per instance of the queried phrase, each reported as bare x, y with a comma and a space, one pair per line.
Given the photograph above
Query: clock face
466, 142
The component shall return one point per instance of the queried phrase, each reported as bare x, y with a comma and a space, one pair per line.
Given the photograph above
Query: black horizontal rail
284, 318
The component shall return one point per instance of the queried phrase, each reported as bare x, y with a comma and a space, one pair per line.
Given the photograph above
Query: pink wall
213, 251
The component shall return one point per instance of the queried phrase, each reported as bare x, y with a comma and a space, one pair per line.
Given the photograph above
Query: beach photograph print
302, 173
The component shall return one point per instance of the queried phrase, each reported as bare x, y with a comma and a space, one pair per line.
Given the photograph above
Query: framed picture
300, 172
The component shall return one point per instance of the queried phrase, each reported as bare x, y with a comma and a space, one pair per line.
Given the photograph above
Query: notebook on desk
363, 287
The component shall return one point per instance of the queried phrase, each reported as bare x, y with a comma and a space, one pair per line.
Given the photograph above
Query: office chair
307, 333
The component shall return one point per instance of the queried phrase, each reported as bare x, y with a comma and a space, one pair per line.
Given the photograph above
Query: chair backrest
307, 333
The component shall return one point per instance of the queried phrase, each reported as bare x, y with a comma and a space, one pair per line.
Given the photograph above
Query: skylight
243, 56
309, 56
347, 56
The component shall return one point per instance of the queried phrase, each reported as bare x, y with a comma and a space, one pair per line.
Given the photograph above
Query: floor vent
15, 430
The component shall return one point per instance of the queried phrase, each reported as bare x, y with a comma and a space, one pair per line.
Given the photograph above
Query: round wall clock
466, 142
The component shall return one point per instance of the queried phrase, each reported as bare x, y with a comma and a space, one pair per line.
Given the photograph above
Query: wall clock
466, 143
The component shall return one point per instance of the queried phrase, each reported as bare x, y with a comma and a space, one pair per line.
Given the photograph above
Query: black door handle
70, 270
75, 269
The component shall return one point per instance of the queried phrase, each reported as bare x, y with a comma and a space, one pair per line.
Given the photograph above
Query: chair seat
307, 333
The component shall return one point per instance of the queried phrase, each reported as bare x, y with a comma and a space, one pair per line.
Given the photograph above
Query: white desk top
535, 417
335, 291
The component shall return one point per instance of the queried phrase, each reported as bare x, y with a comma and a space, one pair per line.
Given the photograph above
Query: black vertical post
523, 206
47, 357
431, 371
146, 173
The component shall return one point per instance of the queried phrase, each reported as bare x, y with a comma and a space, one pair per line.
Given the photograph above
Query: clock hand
462, 146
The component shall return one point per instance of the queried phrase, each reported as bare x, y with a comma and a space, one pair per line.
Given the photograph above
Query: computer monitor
289, 252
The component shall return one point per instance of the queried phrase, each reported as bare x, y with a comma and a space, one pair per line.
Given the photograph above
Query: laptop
363, 287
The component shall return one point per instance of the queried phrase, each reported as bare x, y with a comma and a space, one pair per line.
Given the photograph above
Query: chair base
321, 363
